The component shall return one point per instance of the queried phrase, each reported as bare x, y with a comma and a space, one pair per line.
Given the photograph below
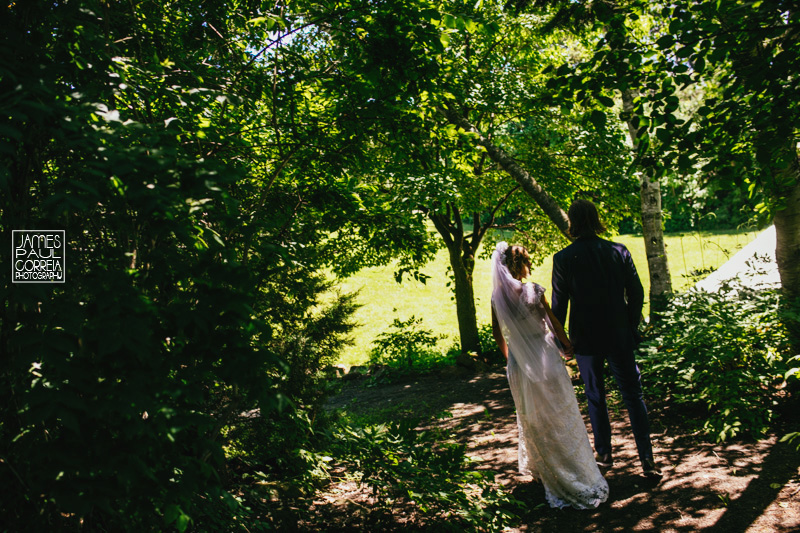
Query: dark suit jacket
599, 281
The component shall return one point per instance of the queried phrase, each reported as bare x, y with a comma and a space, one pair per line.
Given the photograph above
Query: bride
553, 443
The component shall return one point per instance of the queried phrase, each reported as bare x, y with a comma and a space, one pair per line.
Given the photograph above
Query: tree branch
543, 199
490, 224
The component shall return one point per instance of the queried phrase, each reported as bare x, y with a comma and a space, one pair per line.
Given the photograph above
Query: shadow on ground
734, 487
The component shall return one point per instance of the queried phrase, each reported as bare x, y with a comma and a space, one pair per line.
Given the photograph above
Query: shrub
490, 353
406, 344
427, 470
489, 350
724, 353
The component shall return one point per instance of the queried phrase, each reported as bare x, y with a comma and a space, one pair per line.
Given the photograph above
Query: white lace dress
553, 443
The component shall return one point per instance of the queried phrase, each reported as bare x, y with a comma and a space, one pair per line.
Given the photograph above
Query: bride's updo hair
516, 257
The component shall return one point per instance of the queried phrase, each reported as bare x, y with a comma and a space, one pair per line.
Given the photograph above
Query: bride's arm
559, 329
498, 335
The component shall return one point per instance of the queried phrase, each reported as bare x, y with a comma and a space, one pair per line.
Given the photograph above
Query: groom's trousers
626, 374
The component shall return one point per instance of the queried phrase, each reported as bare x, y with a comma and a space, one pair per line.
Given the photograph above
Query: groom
598, 279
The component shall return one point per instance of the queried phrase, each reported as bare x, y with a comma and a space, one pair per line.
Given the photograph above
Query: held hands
567, 349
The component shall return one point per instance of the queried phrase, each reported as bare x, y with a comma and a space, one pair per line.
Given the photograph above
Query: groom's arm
634, 291
560, 291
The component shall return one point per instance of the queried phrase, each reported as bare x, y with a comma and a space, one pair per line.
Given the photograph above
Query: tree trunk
463, 266
462, 261
653, 233
787, 246
652, 230
777, 137
546, 202
461, 249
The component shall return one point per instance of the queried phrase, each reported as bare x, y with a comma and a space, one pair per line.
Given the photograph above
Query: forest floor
737, 486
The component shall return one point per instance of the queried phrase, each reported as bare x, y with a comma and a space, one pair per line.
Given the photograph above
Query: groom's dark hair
584, 220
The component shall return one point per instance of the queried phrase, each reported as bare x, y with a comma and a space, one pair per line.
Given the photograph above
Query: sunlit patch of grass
687, 252
383, 299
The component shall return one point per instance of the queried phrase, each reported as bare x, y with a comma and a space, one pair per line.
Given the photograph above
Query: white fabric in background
755, 264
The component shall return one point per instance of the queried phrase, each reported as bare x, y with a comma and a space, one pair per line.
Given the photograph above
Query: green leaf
172, 513
667, 41
182, 523
606, 101
699, 65
598, 119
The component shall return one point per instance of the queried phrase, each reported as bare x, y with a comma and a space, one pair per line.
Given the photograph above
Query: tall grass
383, 300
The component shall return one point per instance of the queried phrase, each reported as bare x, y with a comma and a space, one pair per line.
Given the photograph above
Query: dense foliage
427, 470
214, 164
714, 93
405, 344
720, 359
698, 203
200, 217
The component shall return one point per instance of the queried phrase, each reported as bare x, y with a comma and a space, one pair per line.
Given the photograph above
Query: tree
652, 223
745, 132
185, 169
754, 125
459, 109
585, 85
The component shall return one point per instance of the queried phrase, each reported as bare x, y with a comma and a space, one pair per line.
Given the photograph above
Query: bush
406, 344
723, 353
427, 470
490, 353
489, 350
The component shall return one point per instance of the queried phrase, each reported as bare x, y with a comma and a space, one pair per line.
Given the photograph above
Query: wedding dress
553, 443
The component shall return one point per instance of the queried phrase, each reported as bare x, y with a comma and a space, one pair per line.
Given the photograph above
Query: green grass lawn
383, 299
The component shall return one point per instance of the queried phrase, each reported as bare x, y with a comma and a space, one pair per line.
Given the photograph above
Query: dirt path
735, 487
